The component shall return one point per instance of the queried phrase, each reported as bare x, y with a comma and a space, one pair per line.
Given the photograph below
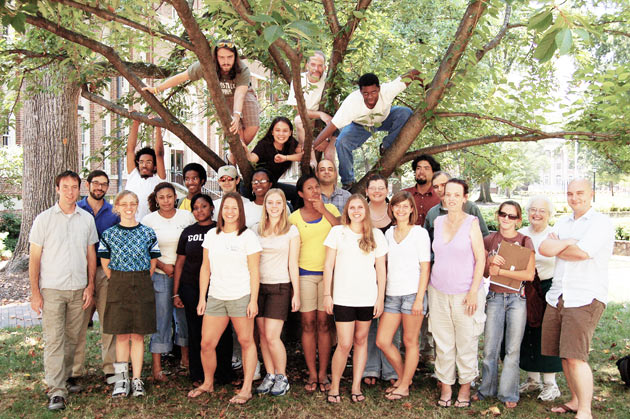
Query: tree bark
50, 145
484, 192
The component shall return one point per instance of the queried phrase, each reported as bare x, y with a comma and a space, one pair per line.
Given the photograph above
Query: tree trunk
611, 185
50, 146
484, 192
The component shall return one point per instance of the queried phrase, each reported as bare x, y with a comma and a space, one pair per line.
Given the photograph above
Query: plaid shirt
338, 198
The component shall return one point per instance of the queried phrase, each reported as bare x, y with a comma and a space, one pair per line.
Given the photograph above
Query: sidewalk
18, 315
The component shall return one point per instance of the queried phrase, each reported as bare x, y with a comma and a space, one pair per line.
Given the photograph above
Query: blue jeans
354, 135
377, 364
504, 312
161, 340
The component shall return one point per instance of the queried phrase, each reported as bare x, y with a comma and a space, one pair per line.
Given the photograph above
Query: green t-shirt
227, 85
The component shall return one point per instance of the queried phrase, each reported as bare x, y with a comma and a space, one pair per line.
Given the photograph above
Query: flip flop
196, 392
565, 409
160, 377
311, 386
333, 398
322, 386
393, 396
461, 404
240, 400
357, 398
390, 389
444, 403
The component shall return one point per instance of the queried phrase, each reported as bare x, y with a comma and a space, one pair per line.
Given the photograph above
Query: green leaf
271, 33
289, 8
541, 21
358, 14
564, 40
583, 33
263, 19
18, 22
546, 47
303, 28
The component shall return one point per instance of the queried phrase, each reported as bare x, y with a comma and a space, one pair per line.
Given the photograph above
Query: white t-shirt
403, 260
229, 272
312, 92
253, 212
143, 188
544, 264
274, 260
354, 279
168, 231
353, 108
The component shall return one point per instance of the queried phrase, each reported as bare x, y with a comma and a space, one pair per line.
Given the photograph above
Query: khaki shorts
311, 293
229, 308
567, 331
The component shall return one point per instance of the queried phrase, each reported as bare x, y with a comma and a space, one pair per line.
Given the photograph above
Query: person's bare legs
157, 367
137, 354
309, 346
184, 361
580, 382
244, 328
248, 134
299, 130
273, 330
323, 348
345, 339
267, 356
211, 330
463, 396
360, 354
387, 326
411, 331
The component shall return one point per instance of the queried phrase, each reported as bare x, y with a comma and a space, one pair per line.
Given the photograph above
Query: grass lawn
23, 392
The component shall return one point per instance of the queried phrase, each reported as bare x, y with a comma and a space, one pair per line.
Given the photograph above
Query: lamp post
594, 186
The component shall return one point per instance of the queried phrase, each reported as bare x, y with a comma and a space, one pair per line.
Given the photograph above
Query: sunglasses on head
225, 44
512, 217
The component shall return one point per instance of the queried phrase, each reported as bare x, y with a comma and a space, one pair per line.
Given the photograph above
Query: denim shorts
401, 304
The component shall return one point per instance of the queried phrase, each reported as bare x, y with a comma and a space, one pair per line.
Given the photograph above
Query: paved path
21, 315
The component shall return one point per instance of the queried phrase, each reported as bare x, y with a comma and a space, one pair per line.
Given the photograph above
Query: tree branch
486, 117
497, 39
120, 110
113, 17
520, 137
171, 122
331, 16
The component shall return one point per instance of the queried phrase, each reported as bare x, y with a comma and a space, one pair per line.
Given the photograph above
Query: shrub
10, 223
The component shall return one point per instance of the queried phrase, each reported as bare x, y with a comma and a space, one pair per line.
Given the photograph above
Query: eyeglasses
260, 182
225, 44
540, 211
377, 189
512, 217
99, 184
226, 179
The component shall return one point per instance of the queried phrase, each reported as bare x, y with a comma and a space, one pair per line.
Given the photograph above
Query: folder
516, 259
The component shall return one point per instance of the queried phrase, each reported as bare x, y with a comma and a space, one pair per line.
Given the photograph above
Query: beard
98, 198
421, 181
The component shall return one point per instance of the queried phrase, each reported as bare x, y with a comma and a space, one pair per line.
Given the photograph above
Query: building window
5, 139
85, 141
107, 153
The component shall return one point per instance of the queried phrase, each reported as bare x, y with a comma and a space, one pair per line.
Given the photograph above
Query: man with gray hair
582, 244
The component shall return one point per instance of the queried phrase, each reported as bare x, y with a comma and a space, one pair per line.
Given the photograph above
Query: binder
516, 259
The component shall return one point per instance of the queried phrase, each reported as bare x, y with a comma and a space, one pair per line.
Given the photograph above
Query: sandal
322, 386
391, 389
396, 396
565, 409
241, 400
357, 398
160, 376
444, 403
333, 398
462, 403
196, 392
311, 386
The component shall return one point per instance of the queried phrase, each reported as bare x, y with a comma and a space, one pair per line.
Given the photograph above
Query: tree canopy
490, 68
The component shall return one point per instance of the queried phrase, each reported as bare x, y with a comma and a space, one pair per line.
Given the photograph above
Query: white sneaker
237, 363
550, 392
137, 387
530, 385
266, 385
257, 375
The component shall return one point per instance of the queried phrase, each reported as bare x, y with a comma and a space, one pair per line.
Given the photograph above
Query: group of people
194, 274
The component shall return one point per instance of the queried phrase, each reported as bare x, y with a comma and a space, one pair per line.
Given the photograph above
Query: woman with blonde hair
280, 241
354, 294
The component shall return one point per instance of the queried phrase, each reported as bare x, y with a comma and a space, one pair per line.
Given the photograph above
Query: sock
535, 376
549, 378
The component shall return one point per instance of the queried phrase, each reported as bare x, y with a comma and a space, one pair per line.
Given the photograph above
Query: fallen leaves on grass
494, 411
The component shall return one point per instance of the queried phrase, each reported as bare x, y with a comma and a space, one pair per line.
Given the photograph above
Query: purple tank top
452, 271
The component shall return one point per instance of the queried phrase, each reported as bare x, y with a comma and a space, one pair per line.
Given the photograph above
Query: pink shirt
452, 271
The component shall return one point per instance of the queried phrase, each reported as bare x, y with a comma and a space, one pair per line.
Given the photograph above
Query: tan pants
61, 321
108, 342
456, 335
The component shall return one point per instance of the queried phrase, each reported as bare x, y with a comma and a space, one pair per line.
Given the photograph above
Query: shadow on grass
23, 391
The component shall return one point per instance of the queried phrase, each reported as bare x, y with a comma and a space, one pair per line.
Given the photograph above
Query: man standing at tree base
582, 244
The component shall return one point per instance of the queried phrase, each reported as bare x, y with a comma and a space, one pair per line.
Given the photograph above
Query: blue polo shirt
104, 219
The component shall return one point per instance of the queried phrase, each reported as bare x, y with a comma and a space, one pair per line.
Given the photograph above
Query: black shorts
350, 314
274, 301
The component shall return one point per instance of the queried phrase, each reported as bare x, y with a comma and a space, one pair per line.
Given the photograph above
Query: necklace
381, 218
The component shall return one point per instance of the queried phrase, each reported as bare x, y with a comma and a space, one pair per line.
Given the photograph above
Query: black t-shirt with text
190, 246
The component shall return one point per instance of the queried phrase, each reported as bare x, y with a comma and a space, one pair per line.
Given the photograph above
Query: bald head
326, 172
579, 196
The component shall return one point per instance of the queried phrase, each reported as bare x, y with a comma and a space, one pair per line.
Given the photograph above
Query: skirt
531, 359
130, 304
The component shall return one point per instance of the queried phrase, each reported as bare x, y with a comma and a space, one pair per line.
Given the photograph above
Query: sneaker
121, 388
347, 186
267, 384
237, 363
530, 385
73, 386
550, 392
257, 375
57, 403
281, 386
137, 387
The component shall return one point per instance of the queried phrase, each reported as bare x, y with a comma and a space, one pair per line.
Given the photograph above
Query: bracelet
328, 140
327, 295
239, 113
176, 295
